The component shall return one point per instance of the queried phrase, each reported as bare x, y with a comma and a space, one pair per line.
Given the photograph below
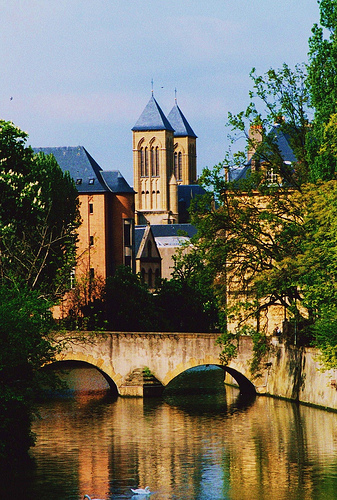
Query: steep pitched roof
116, 182
152, 118
283, 142
178, 121
167, 230
142, 235
88, 176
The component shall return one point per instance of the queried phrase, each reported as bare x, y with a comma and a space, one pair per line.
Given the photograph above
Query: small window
78, 181
91, 273
91, 241
91, 208
91, 181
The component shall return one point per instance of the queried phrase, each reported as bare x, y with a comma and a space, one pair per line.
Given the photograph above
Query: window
91, 241
91, 181
72, 279
91, 273
146, 162
142, 162
127, 227
271, 176
178, 170
91, 208
154, 160
157, 162
78, 182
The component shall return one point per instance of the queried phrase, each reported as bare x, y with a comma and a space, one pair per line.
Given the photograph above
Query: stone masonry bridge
122, 356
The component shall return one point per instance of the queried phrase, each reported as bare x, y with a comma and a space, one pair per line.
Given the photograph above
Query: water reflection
213, 447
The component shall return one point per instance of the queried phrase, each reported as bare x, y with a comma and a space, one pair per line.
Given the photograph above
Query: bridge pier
141, 384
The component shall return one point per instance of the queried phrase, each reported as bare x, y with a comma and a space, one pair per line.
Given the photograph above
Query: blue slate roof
88, 176
162, 230
152, 118
139, 233
116, 182
178, 121
282, 139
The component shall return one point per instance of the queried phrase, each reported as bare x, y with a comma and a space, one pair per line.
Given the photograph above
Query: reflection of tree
272, 449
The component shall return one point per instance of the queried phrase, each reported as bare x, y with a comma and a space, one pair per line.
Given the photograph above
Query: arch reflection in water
210, 447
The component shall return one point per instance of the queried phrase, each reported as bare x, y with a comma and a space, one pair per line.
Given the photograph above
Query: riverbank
296, 374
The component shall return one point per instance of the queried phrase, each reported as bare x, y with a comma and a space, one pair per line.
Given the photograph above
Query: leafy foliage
38, 220
25, 321
38, 216
322, 80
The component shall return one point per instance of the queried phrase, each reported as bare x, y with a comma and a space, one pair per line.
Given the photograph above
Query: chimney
254, 138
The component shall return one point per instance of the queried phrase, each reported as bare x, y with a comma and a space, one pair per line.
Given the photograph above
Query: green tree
322, 80
25, 321
39, 216
38, 220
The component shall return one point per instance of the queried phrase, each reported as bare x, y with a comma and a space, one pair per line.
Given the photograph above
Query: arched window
153, 162
157, 161
146, 174
178, 166
142, 162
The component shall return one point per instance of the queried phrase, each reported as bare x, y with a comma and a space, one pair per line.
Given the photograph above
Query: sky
79, 72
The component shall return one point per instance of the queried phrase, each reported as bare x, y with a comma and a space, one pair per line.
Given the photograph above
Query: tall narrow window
91, 241
91, 208
180, 166
176, 165
146, 174
142, 162
153, 162
157, 161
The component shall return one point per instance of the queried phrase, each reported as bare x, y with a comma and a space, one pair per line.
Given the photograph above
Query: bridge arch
166, 355
66, 366
106, 371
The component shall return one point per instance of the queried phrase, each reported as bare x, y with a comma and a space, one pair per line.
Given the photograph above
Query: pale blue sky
80, 71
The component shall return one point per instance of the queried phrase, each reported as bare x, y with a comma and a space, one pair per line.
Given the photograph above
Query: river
184, 447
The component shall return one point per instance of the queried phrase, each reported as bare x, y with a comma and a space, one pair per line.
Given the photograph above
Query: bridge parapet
118, 355
287, 372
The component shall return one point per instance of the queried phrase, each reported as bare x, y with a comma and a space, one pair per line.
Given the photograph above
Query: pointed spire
152, 118
179, 123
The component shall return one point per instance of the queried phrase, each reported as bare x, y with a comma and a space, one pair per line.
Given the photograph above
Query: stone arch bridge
121, 357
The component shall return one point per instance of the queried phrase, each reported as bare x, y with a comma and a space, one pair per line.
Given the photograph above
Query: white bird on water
141, 491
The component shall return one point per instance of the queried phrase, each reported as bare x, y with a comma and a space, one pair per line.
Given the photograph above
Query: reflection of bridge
122, 357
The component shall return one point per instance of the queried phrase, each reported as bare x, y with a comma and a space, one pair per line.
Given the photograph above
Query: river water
184, 447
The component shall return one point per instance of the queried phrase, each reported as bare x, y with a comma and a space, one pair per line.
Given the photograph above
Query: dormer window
78, 182
91, 181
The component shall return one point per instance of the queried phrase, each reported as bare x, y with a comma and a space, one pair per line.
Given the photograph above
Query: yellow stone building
164, 158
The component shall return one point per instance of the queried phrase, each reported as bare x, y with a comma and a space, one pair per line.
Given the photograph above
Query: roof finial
152, 86
175, 95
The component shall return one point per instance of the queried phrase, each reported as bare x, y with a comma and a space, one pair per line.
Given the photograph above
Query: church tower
164, 157
184, 156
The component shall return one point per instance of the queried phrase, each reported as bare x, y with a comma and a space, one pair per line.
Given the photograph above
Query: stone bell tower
164, 157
